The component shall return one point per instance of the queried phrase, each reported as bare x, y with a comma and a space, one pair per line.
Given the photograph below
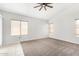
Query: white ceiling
28, 10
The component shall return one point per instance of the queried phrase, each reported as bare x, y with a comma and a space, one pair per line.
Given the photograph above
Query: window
24, 28
77, 28
15, 27
51, 28
19, 28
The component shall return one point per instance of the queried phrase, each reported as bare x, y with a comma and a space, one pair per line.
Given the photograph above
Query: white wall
37, 28
64, 25
0, 30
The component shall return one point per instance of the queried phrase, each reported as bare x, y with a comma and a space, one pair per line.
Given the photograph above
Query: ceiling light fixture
43, 5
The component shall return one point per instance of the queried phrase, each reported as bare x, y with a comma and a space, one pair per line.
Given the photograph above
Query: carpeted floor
49, 47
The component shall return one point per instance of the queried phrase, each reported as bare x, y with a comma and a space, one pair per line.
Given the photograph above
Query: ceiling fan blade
40, 3
41, 8
37, 6
45, 7
50, 6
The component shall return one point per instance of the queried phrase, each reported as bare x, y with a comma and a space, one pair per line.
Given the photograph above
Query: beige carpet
49, 47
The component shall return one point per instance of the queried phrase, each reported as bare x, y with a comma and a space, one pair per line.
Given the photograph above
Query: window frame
76, 27
20, 28
51, 30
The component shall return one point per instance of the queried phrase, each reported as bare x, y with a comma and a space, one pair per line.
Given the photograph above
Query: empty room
39, 29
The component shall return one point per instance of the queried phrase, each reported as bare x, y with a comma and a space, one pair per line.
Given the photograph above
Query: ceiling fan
43, 5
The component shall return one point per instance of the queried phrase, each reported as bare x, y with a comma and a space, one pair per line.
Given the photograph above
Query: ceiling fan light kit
43, 5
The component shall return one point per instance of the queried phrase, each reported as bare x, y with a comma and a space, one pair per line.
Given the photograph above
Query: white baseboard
64, 40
